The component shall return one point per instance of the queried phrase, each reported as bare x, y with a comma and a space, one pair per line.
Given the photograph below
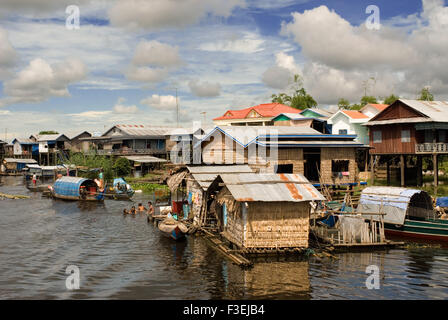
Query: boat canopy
69, 186
396, 203
119, 181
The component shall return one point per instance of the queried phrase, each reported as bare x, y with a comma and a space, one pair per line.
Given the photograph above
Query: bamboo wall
277, 225
329, 154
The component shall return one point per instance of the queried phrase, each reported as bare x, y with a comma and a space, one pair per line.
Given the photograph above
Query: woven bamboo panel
329, 154
277, 225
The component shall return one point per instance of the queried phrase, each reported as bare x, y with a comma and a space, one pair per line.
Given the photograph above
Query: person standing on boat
34, 179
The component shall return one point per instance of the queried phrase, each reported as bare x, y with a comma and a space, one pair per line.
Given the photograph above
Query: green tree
343, 103
298, 98
122, 167
48, 132
356, 106
391, 99
426, 95
368, 99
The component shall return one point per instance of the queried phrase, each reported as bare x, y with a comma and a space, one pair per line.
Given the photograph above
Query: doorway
311, 159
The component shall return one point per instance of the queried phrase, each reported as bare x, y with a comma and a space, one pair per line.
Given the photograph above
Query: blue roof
68, 186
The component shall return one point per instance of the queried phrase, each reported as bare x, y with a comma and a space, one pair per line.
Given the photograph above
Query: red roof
264, 110
354, 114
379, 107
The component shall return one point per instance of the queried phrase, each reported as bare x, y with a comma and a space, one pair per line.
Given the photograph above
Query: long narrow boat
173, 229
406, 212
75, 188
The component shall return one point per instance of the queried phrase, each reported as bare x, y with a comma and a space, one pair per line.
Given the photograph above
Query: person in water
125, 211
133, 210
150, 211
141, 208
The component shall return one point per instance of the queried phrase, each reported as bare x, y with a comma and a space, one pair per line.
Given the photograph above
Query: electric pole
177, 110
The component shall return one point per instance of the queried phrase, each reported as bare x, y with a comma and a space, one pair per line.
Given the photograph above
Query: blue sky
127, 58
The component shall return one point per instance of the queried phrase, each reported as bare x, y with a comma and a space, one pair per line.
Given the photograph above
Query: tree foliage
298, 98
426, 95
368, 99
390, 99
122, 167
343, 104
48, 132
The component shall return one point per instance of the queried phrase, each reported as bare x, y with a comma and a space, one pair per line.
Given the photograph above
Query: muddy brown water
127, 258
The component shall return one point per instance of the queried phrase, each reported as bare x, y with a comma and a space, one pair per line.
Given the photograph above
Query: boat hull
174, 231
73, 198
429, 230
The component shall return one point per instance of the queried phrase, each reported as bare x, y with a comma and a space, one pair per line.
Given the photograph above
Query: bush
122, 167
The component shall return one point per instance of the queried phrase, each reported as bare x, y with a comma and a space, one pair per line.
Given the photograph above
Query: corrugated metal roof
393, 201
270, 187
312, 142
140, 130
49, 137
145, 159
14, 160
205, 175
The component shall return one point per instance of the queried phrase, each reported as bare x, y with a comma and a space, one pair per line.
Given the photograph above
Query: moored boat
406, 212
173, 229
121, 190
75, 188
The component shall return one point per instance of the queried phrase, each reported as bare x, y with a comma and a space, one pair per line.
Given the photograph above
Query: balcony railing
438, 147
114, 152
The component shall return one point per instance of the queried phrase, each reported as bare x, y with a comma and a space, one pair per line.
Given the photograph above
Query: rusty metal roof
205, 175
262, 187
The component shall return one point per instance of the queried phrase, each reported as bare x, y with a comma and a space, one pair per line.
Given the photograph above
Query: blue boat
122, 190
75, 188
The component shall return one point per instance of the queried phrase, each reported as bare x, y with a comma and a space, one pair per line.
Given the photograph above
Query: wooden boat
406, 212
120, 190
75, 188
37, 188
173, 229
430, 229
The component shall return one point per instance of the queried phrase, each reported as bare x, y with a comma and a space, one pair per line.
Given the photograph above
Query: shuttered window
377, 137
405, 136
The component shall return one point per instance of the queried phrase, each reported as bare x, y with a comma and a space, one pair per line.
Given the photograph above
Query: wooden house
25, 148
324, 158
51, 147
264, 211
2, 149
76, 143
409, 129
189, 186
16, 165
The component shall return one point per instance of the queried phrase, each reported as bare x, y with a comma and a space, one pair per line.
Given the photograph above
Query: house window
377, 137
343, 131
339, 166
405, 136
284, 168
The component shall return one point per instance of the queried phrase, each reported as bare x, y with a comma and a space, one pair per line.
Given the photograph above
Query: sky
128, 58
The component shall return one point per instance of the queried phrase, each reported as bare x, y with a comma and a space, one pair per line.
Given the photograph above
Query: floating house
16, 165
264, 211
75, 188
409, 128
321, 158
51, 148
2, 149
189, 187
260, 115
144, 164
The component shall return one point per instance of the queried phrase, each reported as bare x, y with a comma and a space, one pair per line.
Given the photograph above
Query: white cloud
157, 54
8, 55
160, 102
282, 74
91, 114
40, 81
205, 88
146, 74
246, 43
120, 107
159, 14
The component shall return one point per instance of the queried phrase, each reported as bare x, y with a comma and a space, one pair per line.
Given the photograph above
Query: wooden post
388, 172
436, 172
419, 171
372, 168
402, 169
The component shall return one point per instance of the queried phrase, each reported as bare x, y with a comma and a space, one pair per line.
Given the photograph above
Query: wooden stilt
402, 169
372, 168
436, 172
388, 172
419, 171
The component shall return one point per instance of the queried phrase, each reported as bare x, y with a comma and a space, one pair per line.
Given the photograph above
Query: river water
127, 258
